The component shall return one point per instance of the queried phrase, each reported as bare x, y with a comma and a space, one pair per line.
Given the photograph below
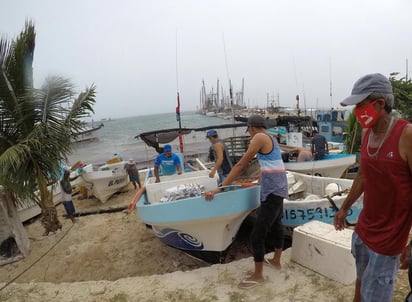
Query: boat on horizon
88, 133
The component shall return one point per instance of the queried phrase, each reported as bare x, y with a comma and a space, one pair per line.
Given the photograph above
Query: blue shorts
69, 206
376, 272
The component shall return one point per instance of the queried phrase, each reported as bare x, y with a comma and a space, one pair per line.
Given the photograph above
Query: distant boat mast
330, 82
178, 106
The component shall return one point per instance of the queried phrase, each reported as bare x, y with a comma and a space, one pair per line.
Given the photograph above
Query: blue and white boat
204, 229
333, 165
316, 198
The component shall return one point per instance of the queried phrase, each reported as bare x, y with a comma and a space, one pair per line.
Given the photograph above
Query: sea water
119, 136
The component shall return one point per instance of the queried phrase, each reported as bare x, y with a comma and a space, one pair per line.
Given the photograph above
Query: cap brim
355, 99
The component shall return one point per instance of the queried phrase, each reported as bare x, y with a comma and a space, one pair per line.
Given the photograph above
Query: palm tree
36, 125
353, 139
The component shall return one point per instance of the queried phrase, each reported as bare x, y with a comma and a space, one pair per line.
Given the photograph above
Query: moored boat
88, 133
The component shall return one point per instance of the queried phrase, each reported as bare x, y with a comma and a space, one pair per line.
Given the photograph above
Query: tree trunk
14, 243
49, 218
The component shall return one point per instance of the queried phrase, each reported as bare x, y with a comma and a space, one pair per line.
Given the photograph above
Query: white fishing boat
316, 198
333, 165
180, 216
106, 181
31, 209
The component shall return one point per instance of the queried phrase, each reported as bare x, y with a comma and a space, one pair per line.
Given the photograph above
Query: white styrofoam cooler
319, 247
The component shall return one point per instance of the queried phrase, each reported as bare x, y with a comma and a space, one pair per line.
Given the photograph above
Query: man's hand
211, 194
339, 221
405, 257
212, 173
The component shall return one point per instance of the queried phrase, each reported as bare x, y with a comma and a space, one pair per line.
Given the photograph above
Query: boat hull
103, 184
194, 224
315, 205
32, 209
88, 133
332, 166
200, 225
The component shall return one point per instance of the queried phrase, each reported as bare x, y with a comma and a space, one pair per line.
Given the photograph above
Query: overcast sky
139, 53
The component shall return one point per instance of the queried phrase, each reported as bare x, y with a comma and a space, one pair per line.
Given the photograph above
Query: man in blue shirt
169, 163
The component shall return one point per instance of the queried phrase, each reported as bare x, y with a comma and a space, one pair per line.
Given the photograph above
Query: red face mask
367, 115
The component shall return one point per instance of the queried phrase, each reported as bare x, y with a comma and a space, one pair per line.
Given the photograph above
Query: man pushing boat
274, 189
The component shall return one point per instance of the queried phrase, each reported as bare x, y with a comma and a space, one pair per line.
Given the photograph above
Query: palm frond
36, 125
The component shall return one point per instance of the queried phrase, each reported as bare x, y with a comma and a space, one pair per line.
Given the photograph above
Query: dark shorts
268, 229
134, 177
319, 155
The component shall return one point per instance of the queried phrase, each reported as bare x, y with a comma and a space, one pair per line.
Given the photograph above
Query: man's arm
405, 145
156, 173
405, 150
405, 257
256, 144
356, 190
179, 169
157, 164
177, 163
339, 221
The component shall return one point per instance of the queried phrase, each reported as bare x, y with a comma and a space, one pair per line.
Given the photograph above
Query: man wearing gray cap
273, 188
385, 179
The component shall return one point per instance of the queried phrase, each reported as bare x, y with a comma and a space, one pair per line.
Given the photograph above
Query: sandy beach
115, 257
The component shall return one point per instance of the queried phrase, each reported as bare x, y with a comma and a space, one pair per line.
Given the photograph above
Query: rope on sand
41, 257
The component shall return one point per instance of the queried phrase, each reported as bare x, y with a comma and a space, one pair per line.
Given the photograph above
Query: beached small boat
186, 221
333, 165
31, 209
106, 181
316, 198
